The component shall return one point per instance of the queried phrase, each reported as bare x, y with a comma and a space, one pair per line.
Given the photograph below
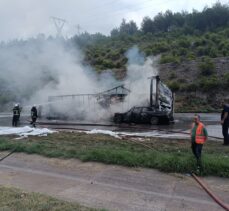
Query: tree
128, 28
114, 32
147, 25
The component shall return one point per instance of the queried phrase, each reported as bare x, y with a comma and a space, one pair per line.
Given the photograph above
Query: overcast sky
20, 19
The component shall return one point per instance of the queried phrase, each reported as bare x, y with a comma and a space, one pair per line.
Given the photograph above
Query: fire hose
210, 193
11, 152
111, 125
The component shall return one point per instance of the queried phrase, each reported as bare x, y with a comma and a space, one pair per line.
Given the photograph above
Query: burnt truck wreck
159, 110
77, 106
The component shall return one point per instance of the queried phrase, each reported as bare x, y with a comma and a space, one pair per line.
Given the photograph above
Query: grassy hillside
177, 51
200, 38
109, 52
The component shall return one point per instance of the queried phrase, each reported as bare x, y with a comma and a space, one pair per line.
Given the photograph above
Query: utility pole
59, 24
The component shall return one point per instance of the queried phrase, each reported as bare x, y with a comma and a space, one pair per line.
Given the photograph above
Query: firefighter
198, 138
33, 115
16, 115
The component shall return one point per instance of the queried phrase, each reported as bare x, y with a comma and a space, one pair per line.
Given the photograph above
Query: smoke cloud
35, 69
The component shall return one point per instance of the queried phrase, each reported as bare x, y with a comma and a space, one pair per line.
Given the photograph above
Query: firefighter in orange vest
199, 136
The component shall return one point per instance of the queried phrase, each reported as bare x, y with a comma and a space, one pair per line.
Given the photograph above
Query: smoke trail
35, 69
139, 70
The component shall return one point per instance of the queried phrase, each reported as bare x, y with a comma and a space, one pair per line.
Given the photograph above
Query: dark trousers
225, 133
15, 120
197, 149
34, 119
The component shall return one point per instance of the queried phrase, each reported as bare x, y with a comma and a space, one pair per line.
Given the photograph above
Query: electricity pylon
59, 24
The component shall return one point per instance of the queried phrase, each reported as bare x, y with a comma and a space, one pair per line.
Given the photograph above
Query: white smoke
139, 70
41, 68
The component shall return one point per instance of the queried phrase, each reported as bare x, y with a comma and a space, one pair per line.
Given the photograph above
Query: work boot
199, 163
198, 171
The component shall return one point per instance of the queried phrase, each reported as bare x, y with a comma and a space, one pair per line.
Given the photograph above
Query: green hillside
176, 37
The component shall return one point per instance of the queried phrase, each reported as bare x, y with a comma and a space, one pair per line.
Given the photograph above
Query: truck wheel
118, 119
154, 120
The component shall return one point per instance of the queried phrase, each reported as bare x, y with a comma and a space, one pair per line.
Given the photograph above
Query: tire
154, 120
118, 119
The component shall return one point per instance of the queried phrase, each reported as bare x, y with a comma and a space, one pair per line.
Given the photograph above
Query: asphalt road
109, 186
182, 124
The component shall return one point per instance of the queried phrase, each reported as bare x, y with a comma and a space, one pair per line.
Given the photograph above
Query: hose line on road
210, 193
111, 125
10, 153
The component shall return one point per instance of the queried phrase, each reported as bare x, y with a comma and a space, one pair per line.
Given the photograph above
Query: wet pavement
109, 186
182, 124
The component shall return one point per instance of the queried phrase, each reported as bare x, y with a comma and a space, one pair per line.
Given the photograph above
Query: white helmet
16, 104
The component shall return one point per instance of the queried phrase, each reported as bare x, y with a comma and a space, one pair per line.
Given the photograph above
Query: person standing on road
16, 115
199, 136
33, 115
225, 123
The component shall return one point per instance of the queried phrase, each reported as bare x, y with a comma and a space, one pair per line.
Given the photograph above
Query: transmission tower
59, 24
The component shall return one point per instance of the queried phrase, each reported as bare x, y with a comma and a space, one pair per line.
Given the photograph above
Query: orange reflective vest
200, 136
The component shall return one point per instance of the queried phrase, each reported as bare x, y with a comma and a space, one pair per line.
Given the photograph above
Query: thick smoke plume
37, 69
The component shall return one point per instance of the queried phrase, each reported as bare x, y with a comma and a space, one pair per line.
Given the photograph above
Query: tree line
189, 23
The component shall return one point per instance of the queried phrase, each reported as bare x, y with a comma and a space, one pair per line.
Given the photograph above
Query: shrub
148, 52
99, 61
201, 51
172, 75
184, 43
118, 65
124, 60
114, 55
183, 51
191, 56
162, 47
108, 64
207, 67
226, 80
192, 87
209, 83
213, 52
169, 59
174, 86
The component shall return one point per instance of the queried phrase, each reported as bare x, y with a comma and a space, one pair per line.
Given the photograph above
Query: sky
22, 19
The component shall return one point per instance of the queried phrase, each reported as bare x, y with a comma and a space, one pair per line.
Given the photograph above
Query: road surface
109, 186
